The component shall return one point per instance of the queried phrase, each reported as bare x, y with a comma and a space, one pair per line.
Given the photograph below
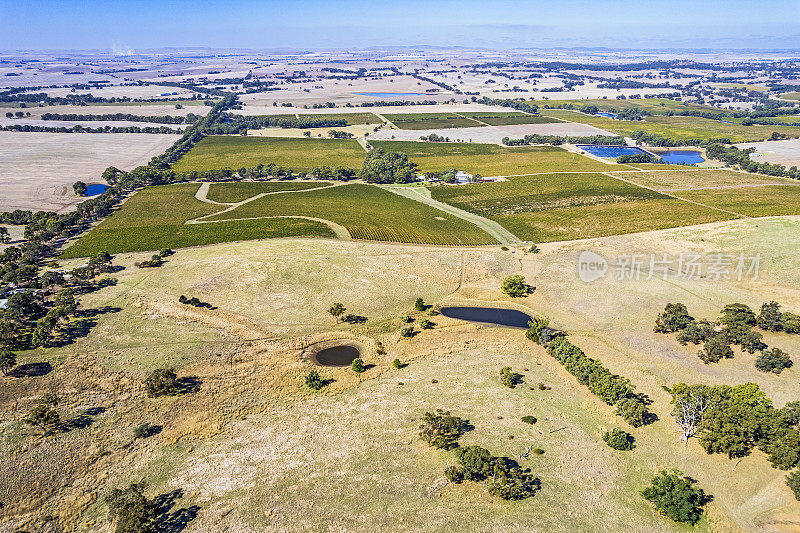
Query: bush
515, 286
675, 317
537, 451
504, 248
695, 332
542, 386
535, 328
133, 512
425, 324
528, 419
508, 378
166, 252
633, 411
314, 381
790, 323
715, 348
793, 482
419, 305
738, 314
475, 461
675, 496
770, 319
775, 360
509, 481
143, 430
407, 318
397, 364
161, 382
442, 430
454, 474
407, 332
357, 365
533, 249
618, 439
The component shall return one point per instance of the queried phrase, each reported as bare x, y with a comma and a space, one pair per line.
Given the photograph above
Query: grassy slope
237, 191
368, 212
752, 201
494, 160
154, 218
688, 179
217, 152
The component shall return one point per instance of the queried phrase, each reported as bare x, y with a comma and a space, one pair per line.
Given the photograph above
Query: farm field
494, 160
791, 96
786, 153
368, 212
765, 201
656, 106
677, 127
693, 179
232, 192
153, 219
216, 152
37, 170
351, 118
540, 192
427, 121
508, 119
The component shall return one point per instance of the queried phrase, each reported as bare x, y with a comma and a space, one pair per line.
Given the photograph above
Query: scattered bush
515, 286
314, 381
407, 332
775, 360
528, 419
675, 496
397, 364
419, 305
508, 378
442, 430
425, 324
675, 317
619, 439
716, 347
161, 382
357, 365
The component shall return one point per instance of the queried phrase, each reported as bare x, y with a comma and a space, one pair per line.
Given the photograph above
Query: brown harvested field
699, 179
145, 108
37, 170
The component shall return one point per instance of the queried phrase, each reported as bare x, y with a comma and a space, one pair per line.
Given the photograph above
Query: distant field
746, 86
494, 160
607, 219
154, 218
509, 119
351, 118
429, 121
676, 127
751, 201
368, 212
791, 96
237, 191
692, 179
652, 105
216, 152
537, 193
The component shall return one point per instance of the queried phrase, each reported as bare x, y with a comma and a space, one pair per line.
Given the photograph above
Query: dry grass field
37, 170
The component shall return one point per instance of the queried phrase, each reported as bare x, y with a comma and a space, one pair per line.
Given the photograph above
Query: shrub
504, 248
425, 324
618, 439
132, 511
675, 317
314, 381
143, 430
535, 328
793, 482
407, 318
770, 319
509, 481
790, 323
166, 252
419, 305
675, 496
715, 348
533, 249
695, 332
774, 361
528, 419
542, 386
738, 314
357, 365
633, 411
442, 430
454, 474
407, 332
515, 286
508, 378
161, 382
7, 361
537, 451
397, 364
475, 461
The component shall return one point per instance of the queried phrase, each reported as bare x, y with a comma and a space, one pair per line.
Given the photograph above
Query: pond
341, 355
392, 95
606, 150
682, 157
96, 188
489, 315
607, 115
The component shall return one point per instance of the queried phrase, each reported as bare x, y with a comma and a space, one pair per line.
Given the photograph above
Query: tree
419, 305
536, 325
715, 349
476, 462
675, 317
425, 323
695, 332
133, 512
357, 365
770, 319
7, 361
515, 286
633, 411
337, 310
618, 439
387, 167
775, 360
397, 364
314, 381
790, 323
509, 378
793, 482
65, 299
675, 496
80, 188
738, 314
161, 382
442, 430
43, 415
689, 404
5, 237
407, 332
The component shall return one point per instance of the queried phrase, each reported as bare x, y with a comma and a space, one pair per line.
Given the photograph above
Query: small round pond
489, 315
96, 188
341, 355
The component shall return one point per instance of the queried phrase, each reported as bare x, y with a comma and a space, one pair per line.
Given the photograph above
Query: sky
128, 25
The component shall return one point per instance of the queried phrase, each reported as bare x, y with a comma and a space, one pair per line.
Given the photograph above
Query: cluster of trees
654, 139
335, 174
639, 158
190, 118
434, 138
675, 496
27, 128
555, 140
735, 327
194, 302
338, 134
612, 389
234, 123
734, 156
381, 166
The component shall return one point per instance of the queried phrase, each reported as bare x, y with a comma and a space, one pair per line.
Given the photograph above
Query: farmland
351, 118
428, 121
367, 212
216, 152
768, 200
693, 179
494, 160
509, 119
153, 219
233, 192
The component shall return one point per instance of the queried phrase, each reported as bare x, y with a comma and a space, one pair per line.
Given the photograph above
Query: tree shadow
31, 370
168, 521
94, 312
82, 420
354, 319
188, 384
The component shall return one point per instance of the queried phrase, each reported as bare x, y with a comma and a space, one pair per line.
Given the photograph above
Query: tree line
190, 118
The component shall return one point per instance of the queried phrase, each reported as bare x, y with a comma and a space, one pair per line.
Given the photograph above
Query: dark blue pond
604, 114
96, 188
392, 95
488, 315
682, 157
610, 151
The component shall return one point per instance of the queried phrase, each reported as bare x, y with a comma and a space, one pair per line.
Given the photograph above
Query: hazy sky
123, 24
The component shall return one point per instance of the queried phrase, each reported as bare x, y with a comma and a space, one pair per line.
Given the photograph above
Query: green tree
44, 415
314, 381
536, 325
5, 237
476, 462
425, 323
131, 510
357, 365
419, 305
397, 364
675, 317
633, 411
618, 439
775, 360
80, 188
7, 361
515, 286
161, 382
715, 348
676, 497
738, 314
337, 310
770, 319
793, 482
442, 430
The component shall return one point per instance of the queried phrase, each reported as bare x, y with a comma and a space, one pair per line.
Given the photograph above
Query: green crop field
536, 193
218, 151
763, 201
233, 192
154, 218
676, 127
656, 106
429, 121
791, 96
368, 212
508, 119
607, 219
494, 160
